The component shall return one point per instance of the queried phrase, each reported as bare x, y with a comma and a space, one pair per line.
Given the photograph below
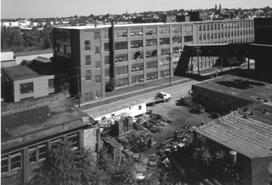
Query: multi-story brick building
137, 53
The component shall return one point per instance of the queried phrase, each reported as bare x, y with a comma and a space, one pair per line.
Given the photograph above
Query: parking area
178, 115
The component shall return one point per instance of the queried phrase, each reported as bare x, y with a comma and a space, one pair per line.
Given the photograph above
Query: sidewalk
127, 92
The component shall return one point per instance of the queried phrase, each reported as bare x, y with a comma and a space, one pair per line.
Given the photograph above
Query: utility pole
198, 50
170, 74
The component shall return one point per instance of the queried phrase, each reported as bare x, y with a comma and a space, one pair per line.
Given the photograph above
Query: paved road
176, 92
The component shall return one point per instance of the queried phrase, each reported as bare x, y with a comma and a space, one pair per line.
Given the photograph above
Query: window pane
88, 60
4, 164
26, 88
136, 44
165, 52
106, 47
16, 161
152, 64
189, 38
121, 70
137, 55
42, 151
151, 76
107, 59
121, 82
137, 79
151, 42
121, 33
74, 141
98, 64
164, 41
88, 74
137, 67
97, 49
96, 36
164, 30
151, 53
121, 45
121, 58
32, 154
151, 31
136, 32
177, 40
98, 79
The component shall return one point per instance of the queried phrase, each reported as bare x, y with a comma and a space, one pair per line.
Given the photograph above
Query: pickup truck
159, 98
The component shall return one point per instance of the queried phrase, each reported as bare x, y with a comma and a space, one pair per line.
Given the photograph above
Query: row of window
13, 162
232, 25
220, 35
140, 78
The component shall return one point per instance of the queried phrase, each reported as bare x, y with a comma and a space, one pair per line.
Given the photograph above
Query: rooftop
34, 52
247, 136
7, 56
20, 72
108, 108
54, 116
138, 24
236, 86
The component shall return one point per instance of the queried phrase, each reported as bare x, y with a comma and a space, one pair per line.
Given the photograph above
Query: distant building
194, 16
7, 59
31, 55
247, 136
27, 135
20, 82
262, 47
136, 53
228, 93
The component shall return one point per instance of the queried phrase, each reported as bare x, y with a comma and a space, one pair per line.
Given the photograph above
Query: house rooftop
34, 52
247, 136
244, 88
20, 72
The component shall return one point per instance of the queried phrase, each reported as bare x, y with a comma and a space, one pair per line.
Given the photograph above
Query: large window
136, 32
164, 41
188, 38
151, 53
73, 139
107, 59
98, 79
121, 33
96, 35
98, 64
97, 49
136, 44
137, 79
106, 47
121, 70
51, 84
121, 58
37, 153
122, 82
4, 164
177, 29
88, 59
164, 73
137, 67
16, 161
177, 50
121, 45
152, 64
177, 40
87, 45
164, 30
26, 88
88, 74
151, 31
151, 42
165, 52
164, 62
137, 55
152, 76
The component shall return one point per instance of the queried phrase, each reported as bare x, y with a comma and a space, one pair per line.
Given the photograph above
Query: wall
40, 88
217, 102
260, 173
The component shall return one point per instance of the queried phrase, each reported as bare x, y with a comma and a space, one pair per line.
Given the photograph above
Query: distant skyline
64, 8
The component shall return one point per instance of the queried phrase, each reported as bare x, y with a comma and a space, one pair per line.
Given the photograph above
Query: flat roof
110, 108
40, 118
141, 24
34, 52
236, 86
247, 136
20, 72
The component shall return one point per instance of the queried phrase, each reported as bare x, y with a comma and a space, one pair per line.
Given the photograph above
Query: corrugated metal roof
247, 136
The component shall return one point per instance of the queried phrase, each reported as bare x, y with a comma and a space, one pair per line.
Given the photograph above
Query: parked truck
159, 98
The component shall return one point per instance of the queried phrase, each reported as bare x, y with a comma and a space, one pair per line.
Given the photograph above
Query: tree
110, 85
64, 166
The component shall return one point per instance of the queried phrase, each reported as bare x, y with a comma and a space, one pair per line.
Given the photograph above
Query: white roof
7, 56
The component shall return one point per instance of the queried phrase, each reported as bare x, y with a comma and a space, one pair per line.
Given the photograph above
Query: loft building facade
137, 53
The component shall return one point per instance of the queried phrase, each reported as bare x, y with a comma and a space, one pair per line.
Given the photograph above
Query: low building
27, 136
7, 59
20, 82
248, 138
31, 55
230, 92
132, 108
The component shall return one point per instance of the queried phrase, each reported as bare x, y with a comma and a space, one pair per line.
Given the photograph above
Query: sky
63, 8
